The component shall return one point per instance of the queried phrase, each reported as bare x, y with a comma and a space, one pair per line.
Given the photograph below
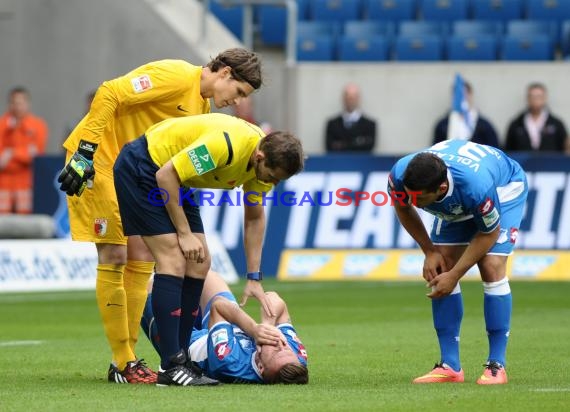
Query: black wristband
87, 149
254, 275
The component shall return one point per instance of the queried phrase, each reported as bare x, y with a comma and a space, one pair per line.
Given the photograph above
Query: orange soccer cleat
494, 374
441, 373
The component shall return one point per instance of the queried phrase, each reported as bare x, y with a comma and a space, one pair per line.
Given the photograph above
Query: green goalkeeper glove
77, 174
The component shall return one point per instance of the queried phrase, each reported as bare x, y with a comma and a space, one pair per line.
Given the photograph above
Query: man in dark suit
536, 129
481, 131
351, 131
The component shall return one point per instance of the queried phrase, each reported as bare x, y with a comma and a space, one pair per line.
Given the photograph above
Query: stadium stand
428, 47
476, 47
335, 10
444, 10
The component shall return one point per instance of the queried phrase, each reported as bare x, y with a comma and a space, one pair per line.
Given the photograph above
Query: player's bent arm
167, 179
477, 249
410, 219
280, 312
224, 310
101, 113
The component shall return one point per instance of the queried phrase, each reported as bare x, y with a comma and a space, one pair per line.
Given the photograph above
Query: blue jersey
226, 353
481, 178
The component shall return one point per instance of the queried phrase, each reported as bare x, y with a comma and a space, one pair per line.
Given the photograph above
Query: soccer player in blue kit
477, 195
228, 345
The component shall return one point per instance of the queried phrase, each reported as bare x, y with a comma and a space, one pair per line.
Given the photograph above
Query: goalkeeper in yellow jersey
173, 158
122, 109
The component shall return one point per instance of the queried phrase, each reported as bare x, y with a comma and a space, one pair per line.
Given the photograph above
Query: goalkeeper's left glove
79, 170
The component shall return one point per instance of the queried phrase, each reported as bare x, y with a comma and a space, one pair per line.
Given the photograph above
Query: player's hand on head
191, 247
442, 285
434, 264
253, 288
268, 335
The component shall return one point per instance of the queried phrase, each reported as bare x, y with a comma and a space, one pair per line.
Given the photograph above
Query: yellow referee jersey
209, 151
125, 107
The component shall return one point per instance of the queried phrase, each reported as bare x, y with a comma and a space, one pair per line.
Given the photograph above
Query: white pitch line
21, 342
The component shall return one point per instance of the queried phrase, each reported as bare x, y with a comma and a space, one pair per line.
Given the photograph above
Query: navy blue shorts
142, 212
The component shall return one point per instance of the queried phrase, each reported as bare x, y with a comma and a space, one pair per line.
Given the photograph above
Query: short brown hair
283, 151
245, 65
290, 373
426, 171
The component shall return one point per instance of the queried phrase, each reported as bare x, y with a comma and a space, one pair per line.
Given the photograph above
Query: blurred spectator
476, 128
536, 128
23, 136
71, 125
350, 131
245, 110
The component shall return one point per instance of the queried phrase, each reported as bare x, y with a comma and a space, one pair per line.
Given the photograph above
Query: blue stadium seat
335, 10
497, 10
478, 47
315, 28
231, 16
428, 47
315, 48
530, 28
474, 27
414, 28
532, 47
548, 10
444, 10
369, 28
363, 48
273, 22
390, 10
565, 37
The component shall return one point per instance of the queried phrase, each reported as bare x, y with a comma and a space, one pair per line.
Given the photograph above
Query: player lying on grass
231, 347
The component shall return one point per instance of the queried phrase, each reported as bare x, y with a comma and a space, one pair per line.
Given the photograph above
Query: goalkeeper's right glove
79, 171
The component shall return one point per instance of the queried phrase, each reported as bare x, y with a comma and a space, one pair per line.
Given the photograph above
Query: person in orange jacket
23, 136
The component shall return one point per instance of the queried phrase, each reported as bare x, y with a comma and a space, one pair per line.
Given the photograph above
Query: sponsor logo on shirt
486, 206
514, 234
491, 218
141, 83
201, 159
222, 350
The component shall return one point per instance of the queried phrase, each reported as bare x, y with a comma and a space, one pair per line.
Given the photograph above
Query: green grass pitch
366, 341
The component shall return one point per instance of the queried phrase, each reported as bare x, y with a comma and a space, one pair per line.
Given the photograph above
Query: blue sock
191, 292
447, 315
166, 295
148, 324
498, 305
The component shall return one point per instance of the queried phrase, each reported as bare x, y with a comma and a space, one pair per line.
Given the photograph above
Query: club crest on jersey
141, 83
219, 337
456, 209
100, 226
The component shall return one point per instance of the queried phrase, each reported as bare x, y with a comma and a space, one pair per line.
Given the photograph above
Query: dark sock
166, 295
191, 292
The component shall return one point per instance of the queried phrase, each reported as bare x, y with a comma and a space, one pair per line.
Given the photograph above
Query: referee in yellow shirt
173, 157
122, 109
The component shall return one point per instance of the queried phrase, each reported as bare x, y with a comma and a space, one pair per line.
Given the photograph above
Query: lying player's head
279, 364
238, 75
278, 157
426, 173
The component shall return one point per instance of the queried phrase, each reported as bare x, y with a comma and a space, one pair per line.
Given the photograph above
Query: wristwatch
254, 275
